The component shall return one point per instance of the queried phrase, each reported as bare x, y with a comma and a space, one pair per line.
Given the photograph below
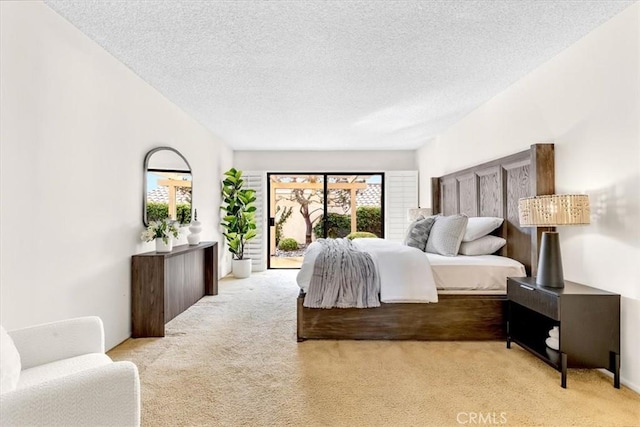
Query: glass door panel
296, 204
354, 203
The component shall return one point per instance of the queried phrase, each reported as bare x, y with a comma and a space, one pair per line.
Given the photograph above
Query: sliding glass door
304, 207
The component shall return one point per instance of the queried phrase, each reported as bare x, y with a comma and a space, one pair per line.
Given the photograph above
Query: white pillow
485, 245
480, 226
10, 365
446, 235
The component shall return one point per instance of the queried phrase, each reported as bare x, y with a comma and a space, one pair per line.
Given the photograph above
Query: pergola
172, 184
349, 184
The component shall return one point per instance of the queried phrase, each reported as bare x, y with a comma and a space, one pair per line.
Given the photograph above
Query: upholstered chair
57, 374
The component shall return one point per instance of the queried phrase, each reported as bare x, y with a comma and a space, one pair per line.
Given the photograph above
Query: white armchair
64, 378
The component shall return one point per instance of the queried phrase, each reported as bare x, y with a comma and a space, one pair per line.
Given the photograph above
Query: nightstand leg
616, 374
508, 336
563, 361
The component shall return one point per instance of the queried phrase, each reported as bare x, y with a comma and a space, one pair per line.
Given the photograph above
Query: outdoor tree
305, 199
310, 201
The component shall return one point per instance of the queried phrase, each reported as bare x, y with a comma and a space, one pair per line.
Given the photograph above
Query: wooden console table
164, 285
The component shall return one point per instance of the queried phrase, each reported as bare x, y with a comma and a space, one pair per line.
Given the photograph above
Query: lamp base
550, 273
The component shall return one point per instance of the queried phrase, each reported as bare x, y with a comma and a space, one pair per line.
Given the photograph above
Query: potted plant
163, 232
239, 220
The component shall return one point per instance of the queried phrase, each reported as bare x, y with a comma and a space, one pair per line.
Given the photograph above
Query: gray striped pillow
446, 235
418, 232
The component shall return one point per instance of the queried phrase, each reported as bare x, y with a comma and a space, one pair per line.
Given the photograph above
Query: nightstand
589, 321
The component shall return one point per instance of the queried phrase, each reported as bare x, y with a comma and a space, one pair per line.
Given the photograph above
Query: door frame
324, 176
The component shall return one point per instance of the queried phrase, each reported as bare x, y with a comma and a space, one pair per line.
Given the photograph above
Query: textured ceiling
271, 75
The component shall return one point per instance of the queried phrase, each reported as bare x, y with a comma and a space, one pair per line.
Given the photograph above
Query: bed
488, 189
473, 274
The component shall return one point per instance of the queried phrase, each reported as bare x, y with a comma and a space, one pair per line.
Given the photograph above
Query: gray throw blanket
343, 276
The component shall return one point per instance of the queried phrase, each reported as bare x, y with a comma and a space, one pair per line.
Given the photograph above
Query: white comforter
405, 273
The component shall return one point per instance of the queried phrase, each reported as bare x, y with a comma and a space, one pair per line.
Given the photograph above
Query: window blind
401, 194
256, 248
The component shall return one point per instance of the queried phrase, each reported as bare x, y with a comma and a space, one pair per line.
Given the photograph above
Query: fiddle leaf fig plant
239, 212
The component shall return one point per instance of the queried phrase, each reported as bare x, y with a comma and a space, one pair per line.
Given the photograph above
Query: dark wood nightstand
589, 321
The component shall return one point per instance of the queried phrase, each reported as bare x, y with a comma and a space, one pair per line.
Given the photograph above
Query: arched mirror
167, 186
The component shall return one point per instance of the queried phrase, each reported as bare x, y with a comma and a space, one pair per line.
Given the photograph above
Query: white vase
195, 228
161, 246
241, 268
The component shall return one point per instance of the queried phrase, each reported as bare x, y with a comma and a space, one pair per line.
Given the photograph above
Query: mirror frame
144, 180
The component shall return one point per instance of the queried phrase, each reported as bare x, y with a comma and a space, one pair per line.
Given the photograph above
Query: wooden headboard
493, 189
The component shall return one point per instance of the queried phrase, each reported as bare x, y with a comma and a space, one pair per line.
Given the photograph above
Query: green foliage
284, 216
368, 219
360, 235
239, 212
288, 244
338, 225
157, 211
183, 213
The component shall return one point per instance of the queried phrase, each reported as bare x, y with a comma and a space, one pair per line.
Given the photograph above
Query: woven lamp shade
553, 210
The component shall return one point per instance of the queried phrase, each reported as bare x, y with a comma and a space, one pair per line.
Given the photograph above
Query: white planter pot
162, 247
241, 268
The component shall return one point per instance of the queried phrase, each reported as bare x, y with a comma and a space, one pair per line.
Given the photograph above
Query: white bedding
410, 275
473, 273
405, 274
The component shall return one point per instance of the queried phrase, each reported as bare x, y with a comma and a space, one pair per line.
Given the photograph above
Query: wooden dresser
164, 285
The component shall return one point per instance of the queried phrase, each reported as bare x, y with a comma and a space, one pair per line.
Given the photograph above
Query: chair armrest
49, 342
108, 395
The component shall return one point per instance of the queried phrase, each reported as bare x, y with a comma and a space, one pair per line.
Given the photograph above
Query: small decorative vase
195, 229
161, 246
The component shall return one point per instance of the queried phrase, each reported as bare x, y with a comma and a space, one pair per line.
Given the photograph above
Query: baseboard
623, 381
633, 387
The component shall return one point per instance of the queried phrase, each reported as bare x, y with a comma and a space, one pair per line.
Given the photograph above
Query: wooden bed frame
488, 189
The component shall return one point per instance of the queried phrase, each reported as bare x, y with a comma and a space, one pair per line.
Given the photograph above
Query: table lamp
552, 211
414, 213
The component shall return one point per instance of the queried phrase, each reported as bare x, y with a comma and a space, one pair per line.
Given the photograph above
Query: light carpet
233, 360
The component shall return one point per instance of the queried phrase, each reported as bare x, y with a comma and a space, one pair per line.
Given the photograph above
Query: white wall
587, 101
76, 124
325, 161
